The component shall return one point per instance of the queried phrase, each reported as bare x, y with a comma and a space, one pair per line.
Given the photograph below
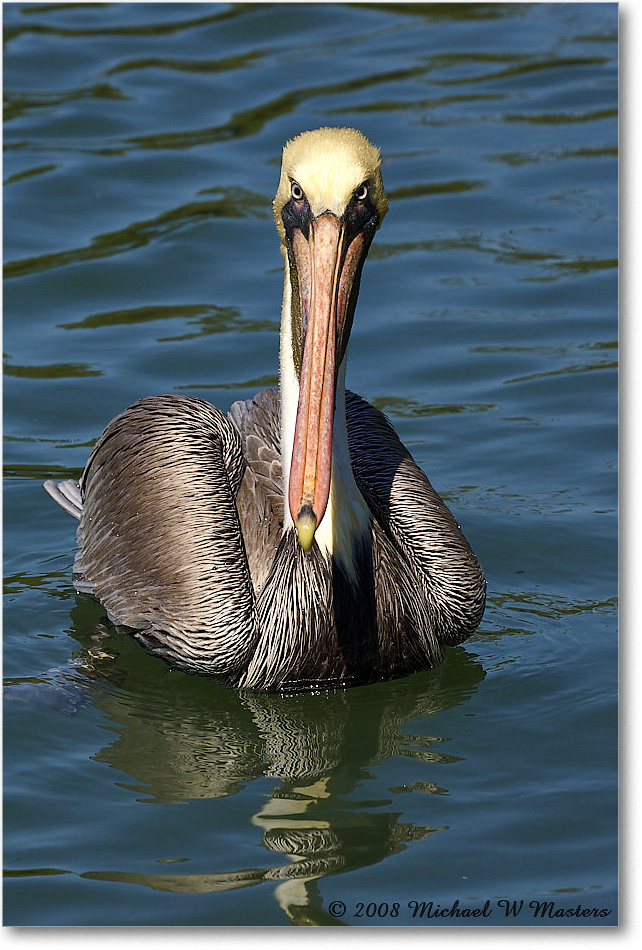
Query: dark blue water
142, 150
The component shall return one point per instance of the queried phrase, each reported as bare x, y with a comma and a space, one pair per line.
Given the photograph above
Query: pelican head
329, 203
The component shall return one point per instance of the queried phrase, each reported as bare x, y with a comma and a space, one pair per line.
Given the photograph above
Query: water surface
142, 149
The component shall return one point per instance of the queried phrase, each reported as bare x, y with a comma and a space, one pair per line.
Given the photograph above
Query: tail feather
67, 495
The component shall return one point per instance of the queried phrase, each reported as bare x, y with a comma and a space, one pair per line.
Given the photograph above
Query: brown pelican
292, 543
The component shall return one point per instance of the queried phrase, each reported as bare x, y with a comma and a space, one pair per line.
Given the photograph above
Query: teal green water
142, 148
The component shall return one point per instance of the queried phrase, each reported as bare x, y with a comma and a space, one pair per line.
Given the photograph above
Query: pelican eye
296, 191
362, 192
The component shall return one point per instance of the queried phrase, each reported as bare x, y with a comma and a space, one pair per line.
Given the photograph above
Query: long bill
328, 265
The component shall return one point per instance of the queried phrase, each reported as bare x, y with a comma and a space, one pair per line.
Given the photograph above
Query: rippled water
142, 147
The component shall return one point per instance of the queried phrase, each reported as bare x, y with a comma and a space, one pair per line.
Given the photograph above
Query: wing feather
160, 541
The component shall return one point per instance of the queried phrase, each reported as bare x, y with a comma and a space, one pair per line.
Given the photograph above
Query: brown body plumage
200, 534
